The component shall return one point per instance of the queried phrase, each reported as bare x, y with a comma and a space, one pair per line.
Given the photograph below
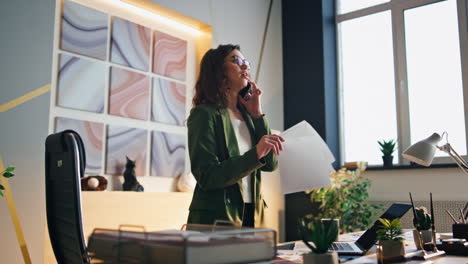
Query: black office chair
65, 163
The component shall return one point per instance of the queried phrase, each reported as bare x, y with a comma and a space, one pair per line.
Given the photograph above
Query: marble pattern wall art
84, 30
130, 44
92, 135
81, 84
133, 78
168, 105
122, 142
167, 154
169, 56
129, 94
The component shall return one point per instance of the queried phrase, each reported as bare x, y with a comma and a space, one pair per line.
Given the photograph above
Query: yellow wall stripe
24, 98
14, 217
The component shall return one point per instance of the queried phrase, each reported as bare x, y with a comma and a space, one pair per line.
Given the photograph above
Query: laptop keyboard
341, 247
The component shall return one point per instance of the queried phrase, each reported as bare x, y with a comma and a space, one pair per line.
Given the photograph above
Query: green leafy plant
7, 173
422, 219
321, 234
390, 230
387, 147
346, 199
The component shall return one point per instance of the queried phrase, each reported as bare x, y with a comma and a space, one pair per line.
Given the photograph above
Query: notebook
368, 239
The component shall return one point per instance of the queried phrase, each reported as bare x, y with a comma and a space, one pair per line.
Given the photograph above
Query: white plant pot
426, 236
326, 258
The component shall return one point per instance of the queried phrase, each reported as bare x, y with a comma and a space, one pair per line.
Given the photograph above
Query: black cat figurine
130, 181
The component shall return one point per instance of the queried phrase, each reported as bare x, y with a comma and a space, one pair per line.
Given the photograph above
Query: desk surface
370, 258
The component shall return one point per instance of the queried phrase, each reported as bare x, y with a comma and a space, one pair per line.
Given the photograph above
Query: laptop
368, 239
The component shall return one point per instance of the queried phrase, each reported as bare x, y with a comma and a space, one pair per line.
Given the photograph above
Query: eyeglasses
239, 61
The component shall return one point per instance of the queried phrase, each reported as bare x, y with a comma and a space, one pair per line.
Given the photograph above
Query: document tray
183, 247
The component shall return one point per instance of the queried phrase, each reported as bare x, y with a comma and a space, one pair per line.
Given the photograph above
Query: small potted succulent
387, 148
7, 173
390, 240
322, 234
422, 223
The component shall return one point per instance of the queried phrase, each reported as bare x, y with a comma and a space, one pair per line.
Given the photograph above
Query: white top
244, 143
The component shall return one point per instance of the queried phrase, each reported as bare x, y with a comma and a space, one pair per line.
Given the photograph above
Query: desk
370, 257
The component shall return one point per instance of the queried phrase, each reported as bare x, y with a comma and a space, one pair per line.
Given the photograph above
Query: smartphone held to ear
246, 92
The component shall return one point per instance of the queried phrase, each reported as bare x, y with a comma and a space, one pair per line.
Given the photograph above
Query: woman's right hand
268, 143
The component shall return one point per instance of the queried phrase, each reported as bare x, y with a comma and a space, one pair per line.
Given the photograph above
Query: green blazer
219, 168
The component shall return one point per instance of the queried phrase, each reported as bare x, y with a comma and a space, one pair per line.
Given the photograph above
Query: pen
451, 216
433, 226
462, 217
465, 210
432, 213
414, 210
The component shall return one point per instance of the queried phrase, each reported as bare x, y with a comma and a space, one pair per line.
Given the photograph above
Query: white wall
26, 52
446, 184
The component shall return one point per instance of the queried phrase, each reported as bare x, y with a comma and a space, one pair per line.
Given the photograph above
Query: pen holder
460, 231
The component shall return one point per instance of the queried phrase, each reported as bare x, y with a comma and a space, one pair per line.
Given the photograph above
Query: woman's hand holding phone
252, 103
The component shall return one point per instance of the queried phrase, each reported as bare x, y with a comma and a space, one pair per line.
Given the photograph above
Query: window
346, 6
403, 71
434, 73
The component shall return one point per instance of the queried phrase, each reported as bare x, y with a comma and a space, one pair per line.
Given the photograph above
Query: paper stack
305, 162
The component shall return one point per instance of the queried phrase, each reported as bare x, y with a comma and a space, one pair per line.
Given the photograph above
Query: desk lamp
422, 152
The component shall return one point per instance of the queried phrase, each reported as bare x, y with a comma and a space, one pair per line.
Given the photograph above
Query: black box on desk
460, 231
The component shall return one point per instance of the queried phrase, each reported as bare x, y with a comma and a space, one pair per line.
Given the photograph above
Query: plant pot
426, 236
392, 250
325, 258
387, 161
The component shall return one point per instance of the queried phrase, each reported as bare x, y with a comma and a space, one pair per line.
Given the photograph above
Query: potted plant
390, 240
387, 148
7, 173
346, 199
322, 234
422, 222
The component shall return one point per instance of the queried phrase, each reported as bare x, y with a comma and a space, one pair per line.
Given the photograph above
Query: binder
194, 245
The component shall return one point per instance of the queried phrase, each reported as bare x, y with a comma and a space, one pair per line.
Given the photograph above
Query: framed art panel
84, 30
167, 154
169, 56
168, 103
92, 135
130, 44
125, 142
81, 84
129, 94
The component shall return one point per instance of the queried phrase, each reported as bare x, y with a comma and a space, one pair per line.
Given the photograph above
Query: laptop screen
368, 239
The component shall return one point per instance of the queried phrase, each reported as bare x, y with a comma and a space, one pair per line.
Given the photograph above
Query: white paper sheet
305, 162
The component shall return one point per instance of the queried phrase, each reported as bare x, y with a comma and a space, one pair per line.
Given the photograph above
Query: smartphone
246, 91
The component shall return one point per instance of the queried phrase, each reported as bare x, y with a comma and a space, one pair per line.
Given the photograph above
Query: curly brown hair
209, 86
